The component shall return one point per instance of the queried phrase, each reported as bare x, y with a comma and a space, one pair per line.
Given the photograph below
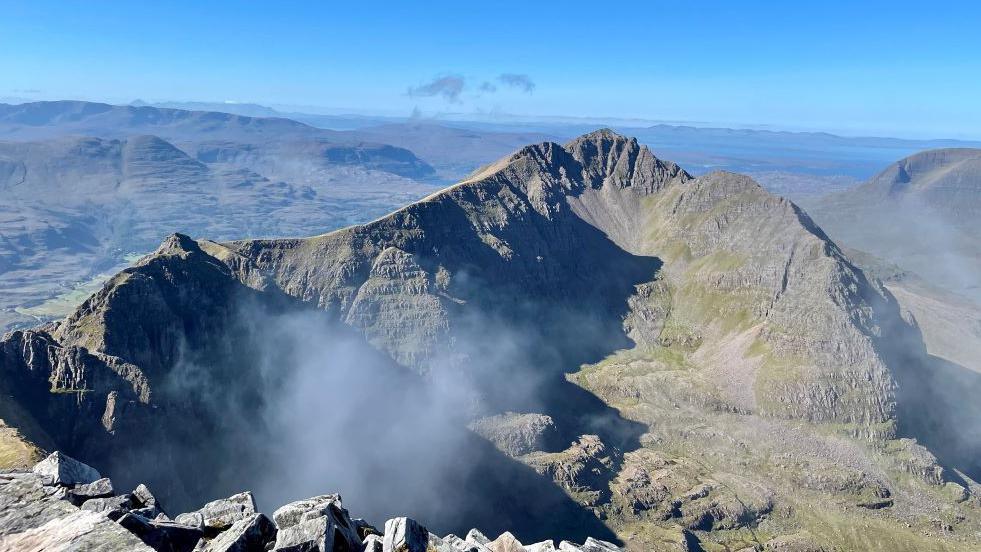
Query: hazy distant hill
920, 213
74, 206
48, 119
453, 151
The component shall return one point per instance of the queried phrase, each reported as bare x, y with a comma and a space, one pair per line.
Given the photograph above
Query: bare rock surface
517, 434
222, 513
247, 534
63, 470
405, 535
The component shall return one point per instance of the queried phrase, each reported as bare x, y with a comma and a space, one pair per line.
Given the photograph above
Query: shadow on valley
939, 406
291, 405
277, 397
936, 400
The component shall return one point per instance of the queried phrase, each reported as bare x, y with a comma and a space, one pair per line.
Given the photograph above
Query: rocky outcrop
36, 513
62, 470
583, 469
517, 434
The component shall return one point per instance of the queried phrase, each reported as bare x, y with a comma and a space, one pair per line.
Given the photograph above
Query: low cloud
514, 80
449, 87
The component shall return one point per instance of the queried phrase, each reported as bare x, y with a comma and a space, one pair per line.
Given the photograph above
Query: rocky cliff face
705, 348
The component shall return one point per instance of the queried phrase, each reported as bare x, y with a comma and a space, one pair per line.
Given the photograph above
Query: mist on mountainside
297, 404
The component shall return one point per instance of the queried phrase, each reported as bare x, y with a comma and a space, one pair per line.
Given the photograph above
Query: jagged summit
177, 243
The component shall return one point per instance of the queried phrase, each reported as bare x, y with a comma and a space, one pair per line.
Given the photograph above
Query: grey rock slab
220, 514
544, 546
463, 545
61, 469
78, 531
101, 488
596, 545
440, 545
290, 514
477, 537
150, 512
314, 535
162, 536
345, 528
506, 542
245, 535
404, 534
25, 503
100, 505
373, 543
191, 519
143, 495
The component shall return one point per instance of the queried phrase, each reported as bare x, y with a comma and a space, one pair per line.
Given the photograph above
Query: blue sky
889, 68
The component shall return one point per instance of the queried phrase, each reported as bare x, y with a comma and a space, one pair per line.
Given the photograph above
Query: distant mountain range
642, 355
86, 184
772, 156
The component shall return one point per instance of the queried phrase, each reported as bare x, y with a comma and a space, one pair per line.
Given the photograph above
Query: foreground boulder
163, 536
320, 523
79, 530
219, 515
61, 469
245, 535
35, 516
403, 534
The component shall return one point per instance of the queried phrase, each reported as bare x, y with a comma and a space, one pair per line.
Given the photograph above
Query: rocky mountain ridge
715, 362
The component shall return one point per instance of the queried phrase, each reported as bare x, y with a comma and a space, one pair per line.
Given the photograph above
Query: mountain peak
177, 244
601, 135
601, 148
609, 157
